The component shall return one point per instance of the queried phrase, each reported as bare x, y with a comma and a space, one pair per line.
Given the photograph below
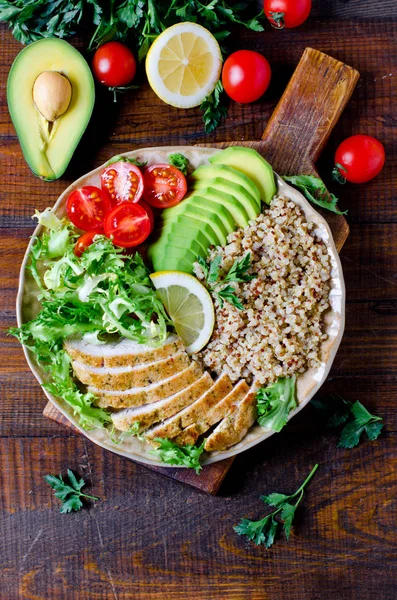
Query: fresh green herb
238, 272
265, 530
100, 293
69, 492
184, 456
315, 191
120, 158
212, 108
179, 161
275, 402
355, 418
32, 20
337, 175
121, 89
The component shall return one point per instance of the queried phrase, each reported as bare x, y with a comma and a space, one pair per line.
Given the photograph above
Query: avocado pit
52, 93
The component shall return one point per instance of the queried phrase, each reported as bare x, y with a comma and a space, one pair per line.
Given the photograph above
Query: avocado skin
252, 164
48, 154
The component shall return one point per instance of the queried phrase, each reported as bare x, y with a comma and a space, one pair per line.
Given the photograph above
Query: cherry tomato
361, 158
149, 212
287, 13
245, 76
114, 64
164, 186
85, 240
87, 207
122, 182
127, 225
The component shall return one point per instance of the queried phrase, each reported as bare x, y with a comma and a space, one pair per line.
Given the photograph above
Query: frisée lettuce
103, 292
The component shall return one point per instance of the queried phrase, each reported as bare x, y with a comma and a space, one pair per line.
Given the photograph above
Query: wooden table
147, 536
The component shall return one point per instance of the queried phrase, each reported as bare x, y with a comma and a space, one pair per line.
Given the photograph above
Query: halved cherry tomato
87, 207
164, 186
127, 225
359, 159
149, 212
287, 13
122, 182
85, 240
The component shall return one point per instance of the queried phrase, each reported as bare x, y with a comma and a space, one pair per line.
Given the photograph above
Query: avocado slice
199, 214
173, 259
243, 208
176, 235
231, 175
252, 164
48, 145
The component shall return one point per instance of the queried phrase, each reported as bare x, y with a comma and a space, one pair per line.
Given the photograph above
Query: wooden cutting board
292, 142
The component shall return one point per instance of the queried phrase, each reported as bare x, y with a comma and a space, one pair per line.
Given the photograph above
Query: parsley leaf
179, 161
228, 293
353, 415
237, 273
213, 109
238, 270
315, 191
275, 402
264, 531
172, 454
120, 158
69, 492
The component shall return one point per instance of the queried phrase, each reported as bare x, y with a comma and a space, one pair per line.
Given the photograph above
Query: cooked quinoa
281, 328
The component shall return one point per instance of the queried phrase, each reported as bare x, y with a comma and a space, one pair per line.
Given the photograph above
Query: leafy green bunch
101, 293
69, 492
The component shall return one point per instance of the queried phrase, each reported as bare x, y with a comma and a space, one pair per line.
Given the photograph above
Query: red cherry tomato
245, 76
114, 64
87, 207
359, 159
149, 212
122, 182
127, 225
84, 241
287, 13
164, 186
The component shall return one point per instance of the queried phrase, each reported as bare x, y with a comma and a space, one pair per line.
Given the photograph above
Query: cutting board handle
312, 103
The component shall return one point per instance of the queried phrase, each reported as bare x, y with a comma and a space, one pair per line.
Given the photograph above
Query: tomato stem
277, 20
337, 175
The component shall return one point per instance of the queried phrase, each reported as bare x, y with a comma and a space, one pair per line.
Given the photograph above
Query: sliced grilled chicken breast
152, 413
151, 393
122, 353
196, 411
122, 378
235, 425
227, 405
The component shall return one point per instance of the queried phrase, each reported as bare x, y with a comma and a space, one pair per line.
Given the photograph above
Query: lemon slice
184, 64
189, 305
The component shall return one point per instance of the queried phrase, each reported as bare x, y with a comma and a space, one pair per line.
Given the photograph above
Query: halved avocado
48, 145
233, 176
252, 164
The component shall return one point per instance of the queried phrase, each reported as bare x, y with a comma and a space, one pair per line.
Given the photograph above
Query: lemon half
183, 64
189, 305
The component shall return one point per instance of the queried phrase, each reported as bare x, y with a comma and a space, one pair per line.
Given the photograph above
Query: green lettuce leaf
275, 402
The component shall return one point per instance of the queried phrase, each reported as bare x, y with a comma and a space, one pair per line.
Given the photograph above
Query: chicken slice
157, 411
196, 411
227, 405
122, 378
151, 393
235, 425
122, 353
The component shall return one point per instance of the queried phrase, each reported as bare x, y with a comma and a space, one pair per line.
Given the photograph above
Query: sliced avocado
186, 227
229, 174
173, 259
174, 235
242, 207
252, 164
48, 145
198, 214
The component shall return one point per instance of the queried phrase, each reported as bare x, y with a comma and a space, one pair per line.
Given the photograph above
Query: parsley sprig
264, 531
220, 286
172, 454
213, 108
353, 415
315, 191
69, 492
179, 161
